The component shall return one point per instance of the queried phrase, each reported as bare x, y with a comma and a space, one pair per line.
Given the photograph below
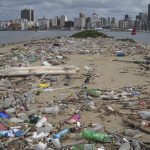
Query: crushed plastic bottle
84, 147
51, 110
145, 115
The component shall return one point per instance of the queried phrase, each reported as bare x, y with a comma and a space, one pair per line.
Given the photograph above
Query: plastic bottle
45, 63
93, 92
92, 135
61, 133
145, 115
125, 146
131, 132
39, 136
45, 129
43, 85
56, 143
51, 110
84, 147
34, 118
96, 127
41, 146
6, 133
74, 119
41, 122
135, 145
131, 103
10, 110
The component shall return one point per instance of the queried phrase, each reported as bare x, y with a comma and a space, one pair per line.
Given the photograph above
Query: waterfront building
27, 14
69, 24
43, 24
94, 20
149, 16
76, 23
81, 20
63, 19
88, 23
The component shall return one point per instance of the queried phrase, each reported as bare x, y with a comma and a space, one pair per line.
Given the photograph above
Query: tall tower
149, 16
27, 14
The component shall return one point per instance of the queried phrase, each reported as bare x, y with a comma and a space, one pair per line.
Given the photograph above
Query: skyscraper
149, 16
27, 14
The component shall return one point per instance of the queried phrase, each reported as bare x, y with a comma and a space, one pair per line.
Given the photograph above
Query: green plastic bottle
84, 147
92, 135
93, 92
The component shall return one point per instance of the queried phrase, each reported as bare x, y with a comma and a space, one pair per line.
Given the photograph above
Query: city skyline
10, 9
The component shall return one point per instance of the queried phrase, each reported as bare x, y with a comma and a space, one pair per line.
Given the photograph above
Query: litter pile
47, 103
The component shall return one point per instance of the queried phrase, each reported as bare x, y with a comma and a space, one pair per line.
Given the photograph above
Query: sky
10, 9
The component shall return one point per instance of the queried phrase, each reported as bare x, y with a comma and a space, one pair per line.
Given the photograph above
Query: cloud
10, 9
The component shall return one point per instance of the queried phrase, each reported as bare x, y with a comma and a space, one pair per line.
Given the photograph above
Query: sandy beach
94, 56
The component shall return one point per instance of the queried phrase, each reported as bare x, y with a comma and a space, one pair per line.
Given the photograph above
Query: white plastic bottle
41, 122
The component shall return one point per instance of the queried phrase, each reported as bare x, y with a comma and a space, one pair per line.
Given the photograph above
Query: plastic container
3, 115
120, 53
41, 122
43, 85
56, 143
51, 110
92, 135
145, 115
61, 133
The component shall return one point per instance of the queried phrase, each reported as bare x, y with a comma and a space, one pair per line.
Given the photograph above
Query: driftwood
38, 70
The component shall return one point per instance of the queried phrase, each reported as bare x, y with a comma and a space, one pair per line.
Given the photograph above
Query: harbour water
18, 36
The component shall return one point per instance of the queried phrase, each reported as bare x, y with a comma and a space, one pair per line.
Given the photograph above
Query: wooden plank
38, 70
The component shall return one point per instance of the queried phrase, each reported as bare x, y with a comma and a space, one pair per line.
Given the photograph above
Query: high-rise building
76, 22
63, 19
82, 20
149, 16
27, 14
126, 17
94, 20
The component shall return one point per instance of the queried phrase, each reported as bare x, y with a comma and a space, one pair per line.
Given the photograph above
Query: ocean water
18, 36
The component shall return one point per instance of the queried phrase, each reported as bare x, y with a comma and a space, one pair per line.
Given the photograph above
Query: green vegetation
127, 40
89, 33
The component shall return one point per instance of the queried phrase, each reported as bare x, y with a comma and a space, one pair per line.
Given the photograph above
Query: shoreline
45, 31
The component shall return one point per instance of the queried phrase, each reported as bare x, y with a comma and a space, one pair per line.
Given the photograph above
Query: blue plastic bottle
61, 133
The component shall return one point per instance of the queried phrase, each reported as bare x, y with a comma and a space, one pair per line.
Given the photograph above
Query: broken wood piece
38, 70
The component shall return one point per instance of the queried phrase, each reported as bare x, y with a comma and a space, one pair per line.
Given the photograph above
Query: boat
133, 31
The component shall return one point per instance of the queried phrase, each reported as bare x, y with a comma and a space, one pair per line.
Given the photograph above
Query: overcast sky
10, 9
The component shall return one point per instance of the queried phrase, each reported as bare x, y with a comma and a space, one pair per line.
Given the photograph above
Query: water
18, 36
139, 37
